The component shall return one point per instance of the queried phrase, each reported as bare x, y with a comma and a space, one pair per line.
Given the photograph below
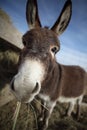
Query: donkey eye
54, 50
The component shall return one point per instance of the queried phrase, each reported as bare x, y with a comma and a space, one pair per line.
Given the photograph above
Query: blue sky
73, 40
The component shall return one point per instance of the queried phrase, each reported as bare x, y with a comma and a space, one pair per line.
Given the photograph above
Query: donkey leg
47, 114
41, 116
79, 101
70, 109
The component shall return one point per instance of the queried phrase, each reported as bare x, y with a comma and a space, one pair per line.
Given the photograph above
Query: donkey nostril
12, 85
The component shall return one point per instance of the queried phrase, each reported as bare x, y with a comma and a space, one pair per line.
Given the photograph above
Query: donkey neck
50, 86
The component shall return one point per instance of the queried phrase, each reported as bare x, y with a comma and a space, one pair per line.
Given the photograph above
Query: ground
27, 120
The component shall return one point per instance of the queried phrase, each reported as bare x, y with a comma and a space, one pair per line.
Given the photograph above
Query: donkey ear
32, 14
64, 18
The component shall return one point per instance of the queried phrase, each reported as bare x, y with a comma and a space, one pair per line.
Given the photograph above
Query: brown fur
67, 81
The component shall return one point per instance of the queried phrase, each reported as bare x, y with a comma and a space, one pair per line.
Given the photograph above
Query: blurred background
73, 40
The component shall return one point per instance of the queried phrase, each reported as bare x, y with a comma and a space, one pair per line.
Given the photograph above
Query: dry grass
26, 119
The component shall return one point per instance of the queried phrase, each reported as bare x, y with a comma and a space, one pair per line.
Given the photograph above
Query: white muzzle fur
31, 72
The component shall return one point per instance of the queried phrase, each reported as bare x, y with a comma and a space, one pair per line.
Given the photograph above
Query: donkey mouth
25, 96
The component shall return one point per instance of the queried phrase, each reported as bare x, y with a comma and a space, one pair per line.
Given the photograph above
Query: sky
74, 39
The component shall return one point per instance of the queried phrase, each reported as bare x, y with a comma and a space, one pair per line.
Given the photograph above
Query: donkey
39, 74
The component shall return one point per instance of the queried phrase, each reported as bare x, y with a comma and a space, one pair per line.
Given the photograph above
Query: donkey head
38, 55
